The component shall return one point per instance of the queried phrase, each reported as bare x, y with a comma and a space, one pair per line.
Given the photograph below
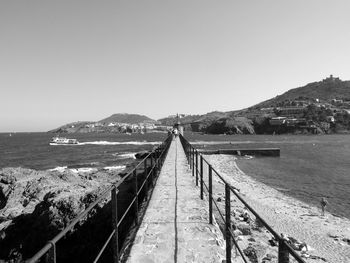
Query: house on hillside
292, 111
277, 121
330, 119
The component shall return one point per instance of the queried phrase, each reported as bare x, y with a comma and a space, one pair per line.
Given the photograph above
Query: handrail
158, 155
284, 249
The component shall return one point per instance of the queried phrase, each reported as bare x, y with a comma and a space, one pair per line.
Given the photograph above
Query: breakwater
124, 200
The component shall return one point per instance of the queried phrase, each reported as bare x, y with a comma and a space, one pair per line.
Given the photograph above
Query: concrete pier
176, 226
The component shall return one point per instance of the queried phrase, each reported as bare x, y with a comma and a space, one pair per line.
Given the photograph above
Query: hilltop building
330, 79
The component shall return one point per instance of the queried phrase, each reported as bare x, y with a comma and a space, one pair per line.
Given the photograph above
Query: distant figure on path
176, 132
324, 203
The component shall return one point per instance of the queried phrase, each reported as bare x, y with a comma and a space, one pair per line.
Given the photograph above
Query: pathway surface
175, 227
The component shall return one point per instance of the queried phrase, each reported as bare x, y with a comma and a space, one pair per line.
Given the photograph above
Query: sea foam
116, 167
118, 143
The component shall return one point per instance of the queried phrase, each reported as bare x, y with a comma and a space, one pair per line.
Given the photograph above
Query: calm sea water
32, 150
309, 167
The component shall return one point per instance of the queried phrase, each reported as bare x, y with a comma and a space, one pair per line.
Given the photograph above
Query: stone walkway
175, 227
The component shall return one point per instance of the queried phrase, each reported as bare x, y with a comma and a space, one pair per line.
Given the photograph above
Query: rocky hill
120, 122
317, 107
215, 122
127, 118
325, 90
311, 107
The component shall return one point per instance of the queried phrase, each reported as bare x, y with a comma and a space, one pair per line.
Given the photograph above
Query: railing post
201, 175
283, 254
137, 199
115, 241
188, 153
146, 178
151, 171
192, 150
51, 254
196, 169
158, 159
228, 222
210, 195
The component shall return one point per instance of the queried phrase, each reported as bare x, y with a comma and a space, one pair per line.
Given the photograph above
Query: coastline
43, 202
326, 236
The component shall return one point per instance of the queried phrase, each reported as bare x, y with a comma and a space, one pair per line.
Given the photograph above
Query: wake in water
108, 143
125, 155
118, 143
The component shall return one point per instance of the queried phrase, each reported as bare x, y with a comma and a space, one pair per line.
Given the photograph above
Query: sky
80, 60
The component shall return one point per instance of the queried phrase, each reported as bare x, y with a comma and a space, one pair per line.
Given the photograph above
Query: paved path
175, 227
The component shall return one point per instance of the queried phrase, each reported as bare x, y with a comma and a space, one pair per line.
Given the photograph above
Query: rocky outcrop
231, 125
36, 205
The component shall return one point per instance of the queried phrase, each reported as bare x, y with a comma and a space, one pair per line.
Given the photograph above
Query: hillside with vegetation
318, 107
325, 90
127, 118
118, 123
213, 122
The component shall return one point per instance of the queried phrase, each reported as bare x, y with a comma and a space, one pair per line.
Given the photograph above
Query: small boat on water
61, 140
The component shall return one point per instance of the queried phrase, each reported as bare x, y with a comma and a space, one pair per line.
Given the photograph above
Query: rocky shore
36, 205
317, 238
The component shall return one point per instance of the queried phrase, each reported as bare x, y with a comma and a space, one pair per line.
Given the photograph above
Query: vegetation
318, 107
127, 118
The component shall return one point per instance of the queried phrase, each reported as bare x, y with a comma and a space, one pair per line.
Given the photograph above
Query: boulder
250, 252
245, 228
142, 155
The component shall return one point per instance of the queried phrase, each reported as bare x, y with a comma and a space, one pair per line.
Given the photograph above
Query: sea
94, 150
309, 167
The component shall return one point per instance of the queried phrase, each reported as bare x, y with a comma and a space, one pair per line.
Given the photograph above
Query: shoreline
287, 215
45, 201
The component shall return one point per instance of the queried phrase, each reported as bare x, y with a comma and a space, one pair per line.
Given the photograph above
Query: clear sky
63, 61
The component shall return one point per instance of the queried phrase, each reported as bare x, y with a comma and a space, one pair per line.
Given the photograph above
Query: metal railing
197, 162
151, 165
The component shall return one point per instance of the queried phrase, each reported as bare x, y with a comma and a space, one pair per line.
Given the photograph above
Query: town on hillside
306, 114
316, 108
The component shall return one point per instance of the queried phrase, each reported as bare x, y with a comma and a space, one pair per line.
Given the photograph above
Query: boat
61, 140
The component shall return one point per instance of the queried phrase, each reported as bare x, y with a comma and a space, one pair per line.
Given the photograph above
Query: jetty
171, 215
176, 225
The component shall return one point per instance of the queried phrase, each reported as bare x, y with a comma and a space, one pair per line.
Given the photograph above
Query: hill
317, 107
215, 122
120, 122
325, 90
322, 106
127, 118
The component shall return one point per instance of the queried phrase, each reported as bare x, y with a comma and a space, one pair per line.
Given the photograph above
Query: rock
346, 240
250, 252
268, 257
244, 228
273, 242
7, 179
258, 224
237, 233
219, 199
142, 155
36, 205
